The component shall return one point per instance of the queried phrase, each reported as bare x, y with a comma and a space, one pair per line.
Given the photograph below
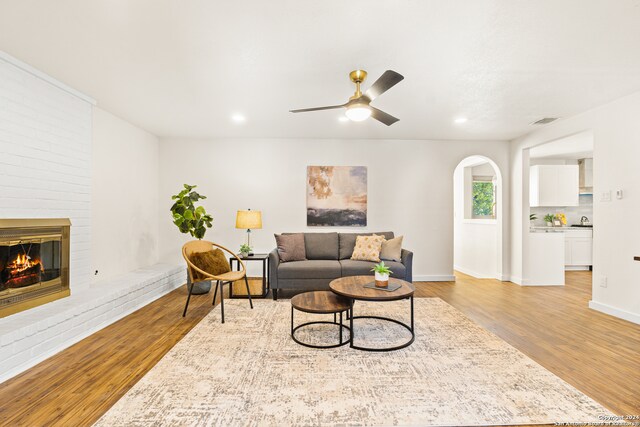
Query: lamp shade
249, 219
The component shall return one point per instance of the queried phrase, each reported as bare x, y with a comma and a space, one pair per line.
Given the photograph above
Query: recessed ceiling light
343, 119
460, 120
238, 118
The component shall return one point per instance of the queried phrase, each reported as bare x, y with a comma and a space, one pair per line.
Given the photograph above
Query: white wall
476, 241
47, 170
125, 187
616, 132
409, 189
45, 156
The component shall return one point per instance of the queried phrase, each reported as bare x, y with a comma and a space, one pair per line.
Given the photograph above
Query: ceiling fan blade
382, 117
304, 110
387, 80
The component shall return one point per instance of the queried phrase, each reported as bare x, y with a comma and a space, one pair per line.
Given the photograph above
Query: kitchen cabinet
554, 185
578, 248
586, 173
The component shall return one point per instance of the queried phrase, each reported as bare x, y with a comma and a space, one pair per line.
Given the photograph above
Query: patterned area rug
248, 372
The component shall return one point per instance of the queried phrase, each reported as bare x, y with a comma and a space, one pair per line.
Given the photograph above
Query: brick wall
45, 157
46, 172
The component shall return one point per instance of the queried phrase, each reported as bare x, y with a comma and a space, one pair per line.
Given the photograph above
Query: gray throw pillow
291, 247
392, 249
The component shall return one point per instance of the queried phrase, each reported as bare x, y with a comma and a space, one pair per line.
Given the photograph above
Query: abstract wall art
337, 196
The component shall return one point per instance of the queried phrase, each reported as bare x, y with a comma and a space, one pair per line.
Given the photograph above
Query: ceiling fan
358, 108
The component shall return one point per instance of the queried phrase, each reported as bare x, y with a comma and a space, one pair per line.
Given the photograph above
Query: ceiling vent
545, 121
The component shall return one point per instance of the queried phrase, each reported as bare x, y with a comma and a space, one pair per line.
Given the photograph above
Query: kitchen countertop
544, 229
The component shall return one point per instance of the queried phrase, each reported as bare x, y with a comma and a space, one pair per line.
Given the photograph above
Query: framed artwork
336, 196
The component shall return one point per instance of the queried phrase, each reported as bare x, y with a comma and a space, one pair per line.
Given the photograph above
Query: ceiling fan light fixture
358, 112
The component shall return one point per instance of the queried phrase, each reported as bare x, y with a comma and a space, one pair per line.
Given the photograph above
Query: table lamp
249, 220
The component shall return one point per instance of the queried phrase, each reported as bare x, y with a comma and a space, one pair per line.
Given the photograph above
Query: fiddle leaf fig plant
188, 217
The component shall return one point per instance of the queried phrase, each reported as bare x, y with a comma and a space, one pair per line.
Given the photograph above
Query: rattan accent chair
194, 246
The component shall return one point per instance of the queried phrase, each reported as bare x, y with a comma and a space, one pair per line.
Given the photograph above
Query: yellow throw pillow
367, 248
213, 262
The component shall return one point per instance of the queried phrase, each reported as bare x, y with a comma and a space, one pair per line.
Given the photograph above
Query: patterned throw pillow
367, 248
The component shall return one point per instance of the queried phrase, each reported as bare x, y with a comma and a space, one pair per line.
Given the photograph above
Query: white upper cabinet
554, 185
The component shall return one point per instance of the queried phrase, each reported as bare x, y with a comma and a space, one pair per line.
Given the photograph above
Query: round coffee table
352, 287
320, 302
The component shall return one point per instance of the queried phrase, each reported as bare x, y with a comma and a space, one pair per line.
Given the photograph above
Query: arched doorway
478, 215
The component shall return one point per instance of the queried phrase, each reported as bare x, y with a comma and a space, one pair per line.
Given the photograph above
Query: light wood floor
596, 353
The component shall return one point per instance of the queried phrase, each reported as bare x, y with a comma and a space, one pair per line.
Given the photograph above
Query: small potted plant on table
382, 274
245, 250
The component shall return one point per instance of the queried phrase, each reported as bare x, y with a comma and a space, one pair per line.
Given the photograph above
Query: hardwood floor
596, 353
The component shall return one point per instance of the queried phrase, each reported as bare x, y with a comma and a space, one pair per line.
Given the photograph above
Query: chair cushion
348, 241
321, 245
291, 247
310, 269
367, 248
363, 268
392, 249
213, 262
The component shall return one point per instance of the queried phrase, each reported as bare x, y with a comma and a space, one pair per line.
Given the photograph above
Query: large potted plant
193, 220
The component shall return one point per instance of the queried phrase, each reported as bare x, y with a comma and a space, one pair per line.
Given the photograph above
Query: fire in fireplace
34, 263
25, 264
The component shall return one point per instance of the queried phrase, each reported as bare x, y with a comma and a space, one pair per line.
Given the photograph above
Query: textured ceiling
182, 68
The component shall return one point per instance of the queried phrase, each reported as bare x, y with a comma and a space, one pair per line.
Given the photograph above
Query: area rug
248, 372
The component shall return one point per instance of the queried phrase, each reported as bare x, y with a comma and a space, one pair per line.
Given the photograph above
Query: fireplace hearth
34, 262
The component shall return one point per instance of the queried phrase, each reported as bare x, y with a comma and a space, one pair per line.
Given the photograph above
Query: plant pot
382, 280
199, 288
244, 254
549, 224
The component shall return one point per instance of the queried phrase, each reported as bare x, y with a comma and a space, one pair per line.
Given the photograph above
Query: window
483, 193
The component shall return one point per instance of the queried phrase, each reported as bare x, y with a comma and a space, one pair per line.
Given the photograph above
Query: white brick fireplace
46, 172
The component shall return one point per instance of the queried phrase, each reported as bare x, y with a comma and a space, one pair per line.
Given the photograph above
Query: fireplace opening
28, 263
34, 262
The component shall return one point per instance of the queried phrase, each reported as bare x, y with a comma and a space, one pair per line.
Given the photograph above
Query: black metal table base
341, 341
386, 319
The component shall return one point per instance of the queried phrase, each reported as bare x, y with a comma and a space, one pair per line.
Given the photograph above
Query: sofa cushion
321, 245
348, 241
310, 269
392, 249
291, 247
363, 268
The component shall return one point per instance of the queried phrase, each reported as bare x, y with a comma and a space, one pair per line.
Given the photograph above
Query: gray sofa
328, 257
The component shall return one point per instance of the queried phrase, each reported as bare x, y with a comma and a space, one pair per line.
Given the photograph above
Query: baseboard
475, 274
103, 315
431, 278
615, 312
524, 282
516, 279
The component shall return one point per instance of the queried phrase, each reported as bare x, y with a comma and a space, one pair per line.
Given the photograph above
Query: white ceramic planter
382, 277
382, 280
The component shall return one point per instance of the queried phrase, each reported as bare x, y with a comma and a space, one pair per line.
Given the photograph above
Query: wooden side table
265, 268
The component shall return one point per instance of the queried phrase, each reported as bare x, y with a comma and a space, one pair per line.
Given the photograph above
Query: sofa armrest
406, 258
274, 261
